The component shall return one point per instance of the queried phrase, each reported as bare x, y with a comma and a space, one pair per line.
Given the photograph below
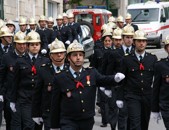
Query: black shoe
103, 125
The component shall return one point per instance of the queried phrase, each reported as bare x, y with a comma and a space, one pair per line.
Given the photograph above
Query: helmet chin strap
6, 41
74, 63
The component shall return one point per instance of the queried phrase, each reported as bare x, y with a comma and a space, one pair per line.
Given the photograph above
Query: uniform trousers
164, 108
85, 124
21, 119
139, 108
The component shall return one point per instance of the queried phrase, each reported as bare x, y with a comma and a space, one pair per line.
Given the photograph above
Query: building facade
13, 9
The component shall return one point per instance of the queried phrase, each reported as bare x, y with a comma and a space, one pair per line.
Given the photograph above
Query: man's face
76, 59
71, 20
117, 42
23, 27
34, 48
59, 22
128, 40
32, 26
65, 20
42, 23
20, 47
6, 40
57, 57
128, 21
50, 24
140, 45
11, 28
107, 42
120, 24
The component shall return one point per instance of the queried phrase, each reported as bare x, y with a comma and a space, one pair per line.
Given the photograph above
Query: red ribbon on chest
141, 66
34, 69
79, 84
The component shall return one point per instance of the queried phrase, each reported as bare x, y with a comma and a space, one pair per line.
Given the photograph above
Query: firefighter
42, 92
73, 98
120, 21
50, 23
128, 20
139, 70
24, 81
7, 69
23, 24
160, 89
10, 24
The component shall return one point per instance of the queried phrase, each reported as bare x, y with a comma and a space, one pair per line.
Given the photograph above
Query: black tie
77, 75
141, 58
33, 60
5, 49
59, 28
127, 50
58, 68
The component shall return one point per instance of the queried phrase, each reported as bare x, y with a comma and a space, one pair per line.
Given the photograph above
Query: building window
1, 9
50, 9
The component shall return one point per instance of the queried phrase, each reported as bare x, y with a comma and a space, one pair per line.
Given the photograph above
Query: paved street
153, 126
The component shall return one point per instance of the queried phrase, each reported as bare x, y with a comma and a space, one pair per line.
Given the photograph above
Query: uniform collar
73, 72
30, 55
138, 55
125, 47
55, 67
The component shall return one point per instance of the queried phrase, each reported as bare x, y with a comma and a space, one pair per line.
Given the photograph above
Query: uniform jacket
25, 78
42, 92
160, 98
69, 102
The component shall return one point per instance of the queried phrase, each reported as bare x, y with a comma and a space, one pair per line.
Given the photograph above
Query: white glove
12, 106
118, 77
156, 116
108, 93
1, 98
119, 103
38, 120
102, 89
43, 51
67, 42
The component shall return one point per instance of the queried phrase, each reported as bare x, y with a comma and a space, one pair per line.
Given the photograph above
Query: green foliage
78, 2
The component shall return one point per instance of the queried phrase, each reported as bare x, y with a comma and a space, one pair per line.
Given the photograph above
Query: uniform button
142, 81
80, 92
32, 79
142, 89
83, 110
141, 74
32, 74
32, 85
82, 101
47, 110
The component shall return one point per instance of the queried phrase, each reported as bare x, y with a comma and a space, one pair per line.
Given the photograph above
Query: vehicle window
98, 20
166, 12
144, 15
84, 17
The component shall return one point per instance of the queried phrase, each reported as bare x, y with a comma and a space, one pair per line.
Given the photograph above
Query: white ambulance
153, 18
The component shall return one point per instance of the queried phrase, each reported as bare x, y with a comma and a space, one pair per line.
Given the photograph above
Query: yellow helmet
111, 19
42, 18
74, 47
59, 16
57, 46
70, 15
128, 30
10, 22
33, 37
128, 16
120, 19
104, 27
167, 40
50, 19
22, 21
20, 37
117, 33
32, 21
65, 15
140, 35
107, 33
111, 25
4, 31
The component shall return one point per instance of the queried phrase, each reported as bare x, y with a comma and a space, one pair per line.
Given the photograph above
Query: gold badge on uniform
88, 79
69, 94
49, 87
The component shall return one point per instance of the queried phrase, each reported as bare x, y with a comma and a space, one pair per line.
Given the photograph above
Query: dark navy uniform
160, 99
137, 85
42, 93
6, 69
73, 101
63, 34
25, 78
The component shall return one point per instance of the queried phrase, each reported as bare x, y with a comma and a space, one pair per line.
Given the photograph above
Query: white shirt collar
55, 67
125, 47
138, 55
30, 55
73, 72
